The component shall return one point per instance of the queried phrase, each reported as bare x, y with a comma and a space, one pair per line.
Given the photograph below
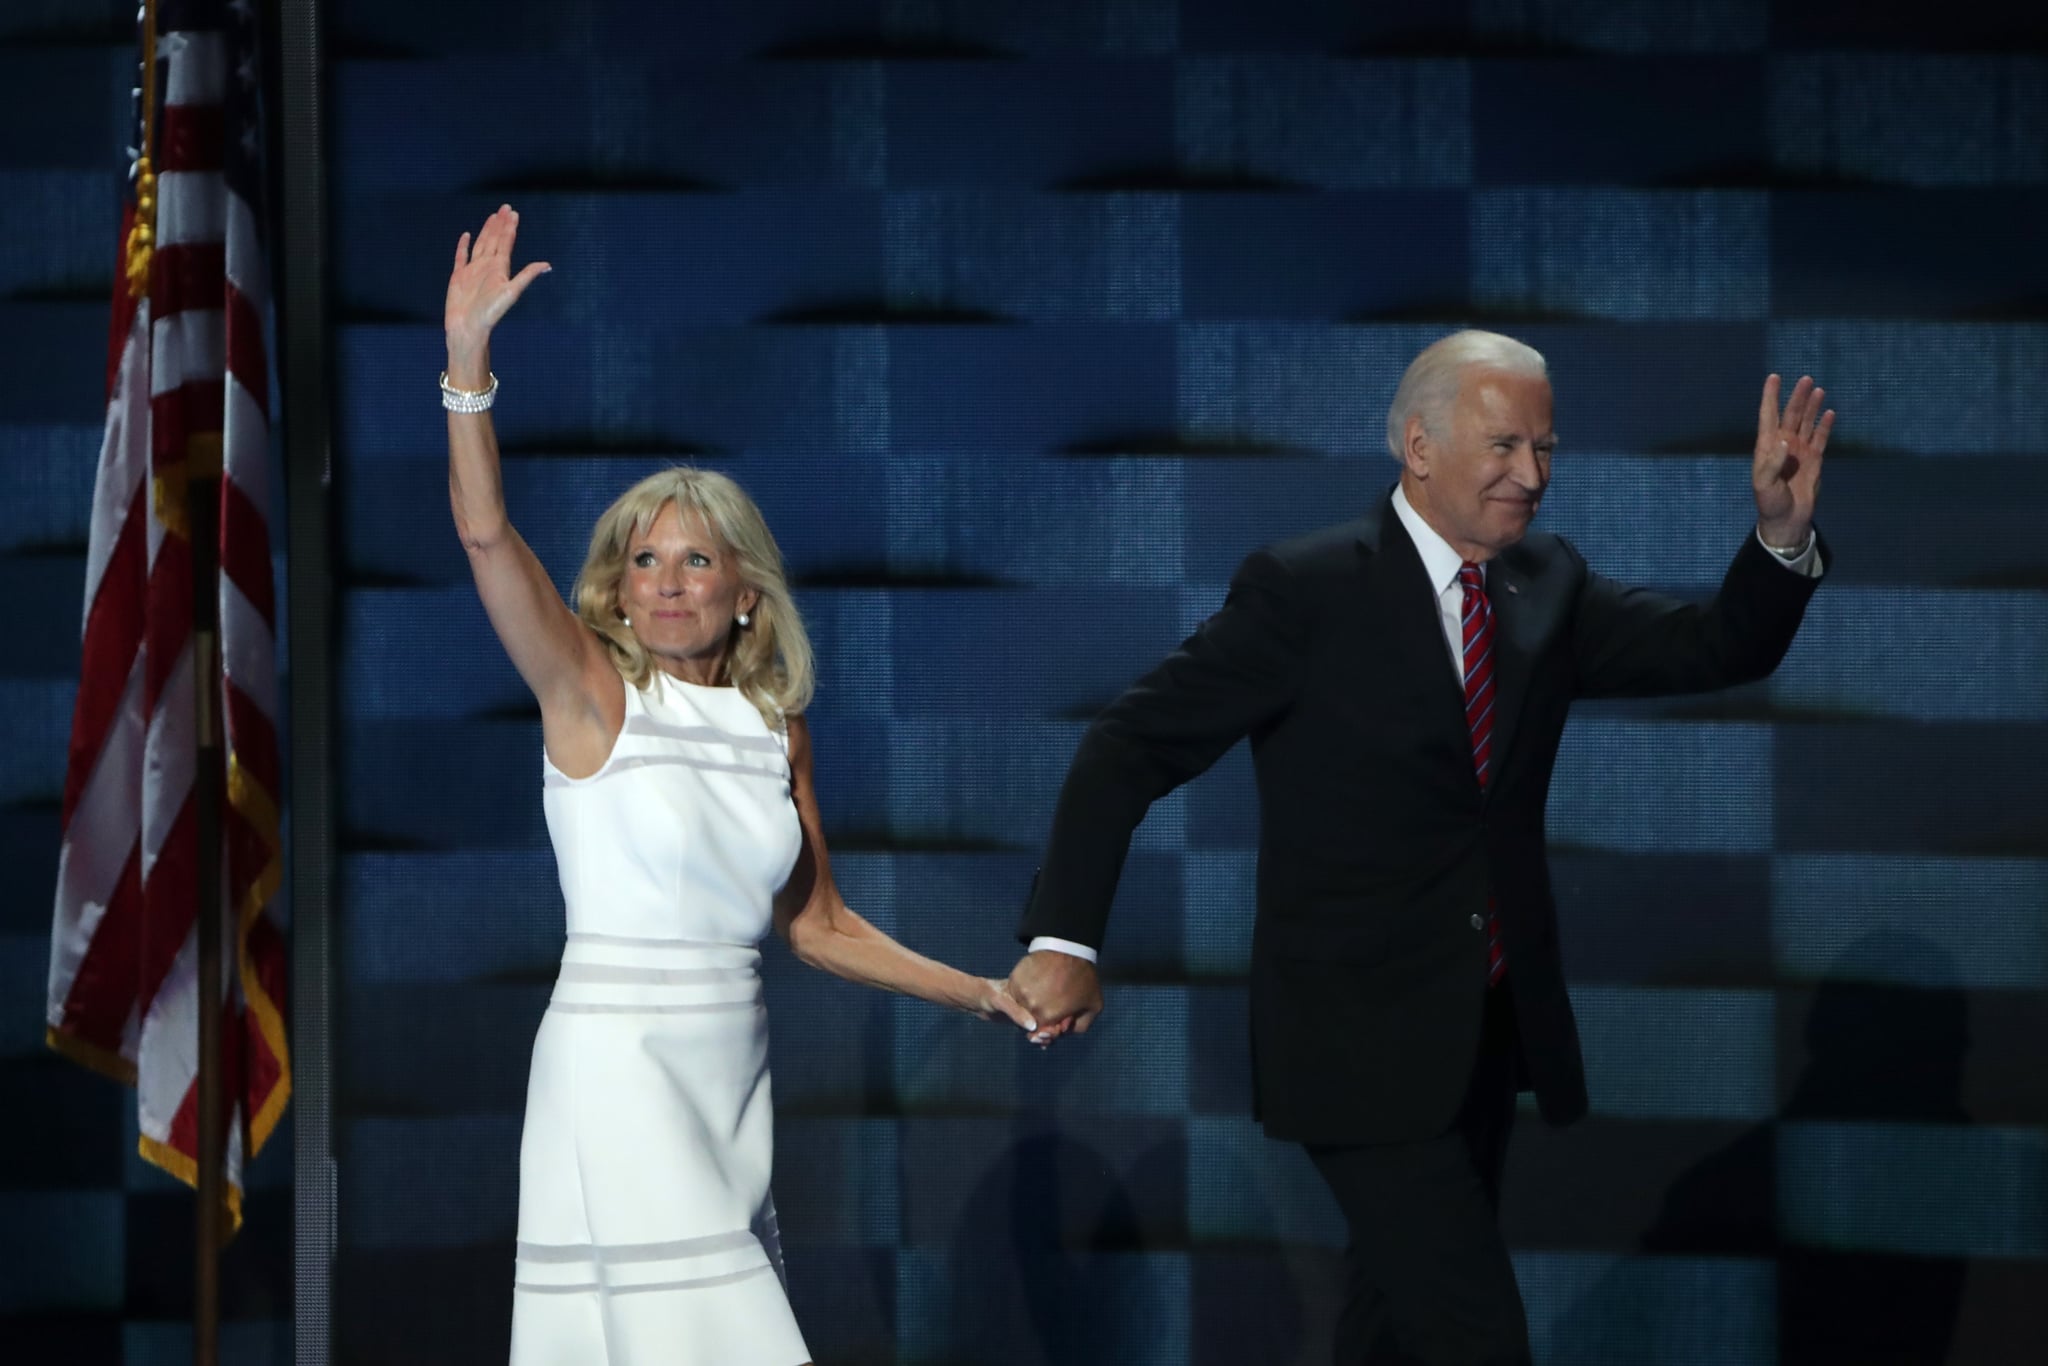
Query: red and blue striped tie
1478, 620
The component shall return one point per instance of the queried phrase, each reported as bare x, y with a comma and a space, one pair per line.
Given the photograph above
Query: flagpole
202, 461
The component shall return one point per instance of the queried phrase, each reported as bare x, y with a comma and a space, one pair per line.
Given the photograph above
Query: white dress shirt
1442, 564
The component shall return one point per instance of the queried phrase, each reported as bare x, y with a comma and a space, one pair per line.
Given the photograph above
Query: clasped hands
1047, 994
1060, 992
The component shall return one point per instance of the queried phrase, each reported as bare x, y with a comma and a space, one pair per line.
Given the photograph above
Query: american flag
188, 396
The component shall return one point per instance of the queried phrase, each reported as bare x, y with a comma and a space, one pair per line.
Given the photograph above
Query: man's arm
1630, 643
1239, 669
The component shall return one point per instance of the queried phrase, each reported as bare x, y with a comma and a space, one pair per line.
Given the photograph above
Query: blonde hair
1430, 385
769, 660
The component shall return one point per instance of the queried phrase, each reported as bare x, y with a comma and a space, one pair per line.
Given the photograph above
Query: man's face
1482, 476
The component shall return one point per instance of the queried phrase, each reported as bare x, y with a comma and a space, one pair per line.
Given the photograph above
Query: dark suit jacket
1377, 846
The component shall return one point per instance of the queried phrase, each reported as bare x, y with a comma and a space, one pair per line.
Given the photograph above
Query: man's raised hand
1785, 474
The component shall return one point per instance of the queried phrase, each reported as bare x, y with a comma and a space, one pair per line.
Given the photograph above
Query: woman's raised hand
482, 289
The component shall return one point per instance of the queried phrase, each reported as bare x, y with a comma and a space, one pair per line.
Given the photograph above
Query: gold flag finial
140, 249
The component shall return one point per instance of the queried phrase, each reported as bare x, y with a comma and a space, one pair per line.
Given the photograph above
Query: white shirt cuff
1045, 942
1806, 562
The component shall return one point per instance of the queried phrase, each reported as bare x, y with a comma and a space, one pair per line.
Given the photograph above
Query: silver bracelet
468, 400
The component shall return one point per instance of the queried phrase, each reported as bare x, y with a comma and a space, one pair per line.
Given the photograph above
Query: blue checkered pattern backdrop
1024, 322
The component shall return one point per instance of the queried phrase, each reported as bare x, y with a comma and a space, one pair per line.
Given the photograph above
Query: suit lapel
1512, 588
1408, 601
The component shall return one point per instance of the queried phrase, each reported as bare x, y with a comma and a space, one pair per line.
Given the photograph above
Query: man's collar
1439, 561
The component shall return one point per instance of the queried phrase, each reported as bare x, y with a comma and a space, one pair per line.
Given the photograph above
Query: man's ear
1416, 447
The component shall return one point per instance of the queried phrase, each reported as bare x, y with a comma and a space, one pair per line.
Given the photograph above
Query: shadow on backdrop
1875, 1053
1074, 1289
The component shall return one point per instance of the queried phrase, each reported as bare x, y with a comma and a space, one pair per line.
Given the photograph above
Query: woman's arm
552, 650
825, 932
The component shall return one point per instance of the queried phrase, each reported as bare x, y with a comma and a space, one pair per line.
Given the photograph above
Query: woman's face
681, 593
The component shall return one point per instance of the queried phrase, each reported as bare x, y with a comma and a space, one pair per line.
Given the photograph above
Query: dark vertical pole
304, 361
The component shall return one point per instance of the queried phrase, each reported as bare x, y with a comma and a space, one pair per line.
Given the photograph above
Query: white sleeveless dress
646, 1232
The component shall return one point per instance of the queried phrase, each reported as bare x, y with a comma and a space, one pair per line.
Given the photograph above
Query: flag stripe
248, 657
101, 995
169, 1042
248, 272
247, 361
188, 347
167, 880
124, 457
113, 633
167, 628
189, 137
106, 822
188, 277
195, 409
190, 208
256, 748
199, 60
121, 317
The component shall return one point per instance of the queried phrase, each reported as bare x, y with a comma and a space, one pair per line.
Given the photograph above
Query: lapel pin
1513, 589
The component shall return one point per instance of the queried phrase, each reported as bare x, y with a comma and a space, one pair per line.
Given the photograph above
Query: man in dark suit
1405, 679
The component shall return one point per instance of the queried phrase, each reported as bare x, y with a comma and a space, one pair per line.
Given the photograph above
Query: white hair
1431, 383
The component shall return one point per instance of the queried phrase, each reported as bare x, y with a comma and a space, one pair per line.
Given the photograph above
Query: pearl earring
742, 619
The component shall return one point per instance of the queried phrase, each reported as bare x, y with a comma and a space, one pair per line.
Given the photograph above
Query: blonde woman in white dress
677, 786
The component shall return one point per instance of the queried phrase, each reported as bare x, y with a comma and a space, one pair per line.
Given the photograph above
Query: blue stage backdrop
1024, 322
